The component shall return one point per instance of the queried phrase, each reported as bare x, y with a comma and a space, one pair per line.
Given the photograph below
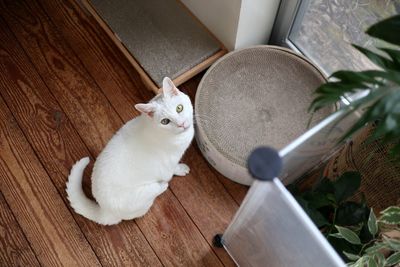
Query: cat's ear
169, 88
148, 108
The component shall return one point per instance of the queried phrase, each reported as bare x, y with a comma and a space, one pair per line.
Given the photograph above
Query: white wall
221, 17
236, 23
255, 22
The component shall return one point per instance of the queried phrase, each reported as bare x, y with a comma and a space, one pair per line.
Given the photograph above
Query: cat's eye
179, 108
165, 121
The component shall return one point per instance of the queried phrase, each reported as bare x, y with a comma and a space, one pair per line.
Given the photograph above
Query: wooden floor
65, 89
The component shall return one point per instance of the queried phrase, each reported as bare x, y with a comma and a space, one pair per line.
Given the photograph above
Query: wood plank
223, 204
110, 69
227, 203
58, 146
37, 206
39, 41
173, 234
237, 191
14, 248
61, 72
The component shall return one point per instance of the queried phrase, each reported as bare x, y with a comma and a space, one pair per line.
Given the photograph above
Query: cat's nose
182, 125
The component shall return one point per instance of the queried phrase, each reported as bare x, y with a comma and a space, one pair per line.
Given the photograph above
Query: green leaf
356, 79
380, 259
391, 209
390, 123
364, 233
393, 244
393, 259
392, 76
391, 215
349, 235
351, 213
346, 185
371, 262
324, 186
331, 92
372, 223
376, 248
336, 235
359, 77
359, 263
317, 200
380, 109
386, 30
394, 55
379, 60
318, 219
351, 256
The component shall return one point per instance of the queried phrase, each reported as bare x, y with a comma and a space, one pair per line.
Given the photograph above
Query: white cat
138, 162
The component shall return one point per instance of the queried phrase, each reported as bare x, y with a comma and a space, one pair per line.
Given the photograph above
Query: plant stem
333, 221
366, 244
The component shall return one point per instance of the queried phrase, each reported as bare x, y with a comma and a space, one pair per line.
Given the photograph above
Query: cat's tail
78, 200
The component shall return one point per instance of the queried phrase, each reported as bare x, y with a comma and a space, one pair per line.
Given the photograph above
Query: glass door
323, 30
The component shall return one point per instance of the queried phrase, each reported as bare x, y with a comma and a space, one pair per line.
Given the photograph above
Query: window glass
327, 28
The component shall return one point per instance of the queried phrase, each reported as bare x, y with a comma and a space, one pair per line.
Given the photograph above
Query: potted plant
360, 237
350, 226
381, 86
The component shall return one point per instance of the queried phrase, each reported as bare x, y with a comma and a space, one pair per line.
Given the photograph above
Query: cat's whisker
204, 122
201, 119
202, 115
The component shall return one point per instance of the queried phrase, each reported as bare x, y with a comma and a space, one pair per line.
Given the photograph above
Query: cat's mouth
184, 126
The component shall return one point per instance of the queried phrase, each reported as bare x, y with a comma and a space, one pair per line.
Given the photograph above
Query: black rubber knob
264, 163
217, 241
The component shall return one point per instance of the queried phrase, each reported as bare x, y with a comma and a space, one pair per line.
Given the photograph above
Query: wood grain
105, 63
205, 199
173, 235
62, 72
37, 206
227, 203
14, 248
43, 45
58, 146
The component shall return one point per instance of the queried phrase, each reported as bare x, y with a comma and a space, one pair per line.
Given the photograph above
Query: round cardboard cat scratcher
253, 97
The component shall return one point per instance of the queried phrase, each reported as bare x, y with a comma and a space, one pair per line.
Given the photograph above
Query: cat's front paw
181, 169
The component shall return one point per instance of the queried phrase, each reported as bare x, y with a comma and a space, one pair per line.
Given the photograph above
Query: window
323, 30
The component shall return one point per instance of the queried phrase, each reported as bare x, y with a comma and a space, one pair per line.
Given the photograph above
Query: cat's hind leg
151, 191
181, 169
140, 201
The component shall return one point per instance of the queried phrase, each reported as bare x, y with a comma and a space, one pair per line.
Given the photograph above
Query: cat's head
171, 110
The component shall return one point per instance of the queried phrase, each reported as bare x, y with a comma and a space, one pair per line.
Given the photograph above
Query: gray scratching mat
160, 34
256, 96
